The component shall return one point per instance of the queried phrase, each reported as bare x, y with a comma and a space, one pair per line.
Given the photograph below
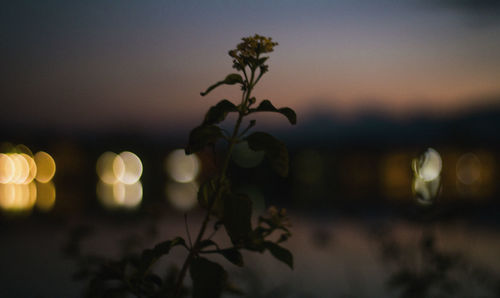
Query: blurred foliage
133, 275
425, 270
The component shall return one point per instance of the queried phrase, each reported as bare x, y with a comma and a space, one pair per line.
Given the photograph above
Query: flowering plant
223, 205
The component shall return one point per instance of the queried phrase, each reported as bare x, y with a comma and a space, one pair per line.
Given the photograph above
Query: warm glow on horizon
347, 56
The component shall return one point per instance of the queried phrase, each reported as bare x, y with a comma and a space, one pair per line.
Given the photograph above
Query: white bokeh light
181, 167
428, 167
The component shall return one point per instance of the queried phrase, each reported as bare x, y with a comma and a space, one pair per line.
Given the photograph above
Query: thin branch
245, 73
195, 249
187, 231
250, 125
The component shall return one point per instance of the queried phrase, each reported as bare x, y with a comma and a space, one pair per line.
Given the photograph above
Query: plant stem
232, 141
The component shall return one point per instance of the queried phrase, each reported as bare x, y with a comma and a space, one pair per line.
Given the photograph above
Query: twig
187, 231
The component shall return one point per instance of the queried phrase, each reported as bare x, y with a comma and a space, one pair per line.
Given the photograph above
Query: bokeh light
46, 196
17, 197
468, 169
119, 185
7, 168
245, 157
427, 176
426, 191
32, 169
105, 167
21, 169
128, 167
429, 165
18, 170
181, 167
46, 167
182, 196
127, 195
106, 195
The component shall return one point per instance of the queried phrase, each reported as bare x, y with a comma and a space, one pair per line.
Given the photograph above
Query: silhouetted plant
223, 206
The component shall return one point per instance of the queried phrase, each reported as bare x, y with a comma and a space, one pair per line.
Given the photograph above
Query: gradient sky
93, 64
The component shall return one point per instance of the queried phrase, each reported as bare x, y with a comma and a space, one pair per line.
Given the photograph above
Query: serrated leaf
267, 106
230, 79
209, 278
275, 150
218, 113
280, 253
233, 255
202, 136
237, 217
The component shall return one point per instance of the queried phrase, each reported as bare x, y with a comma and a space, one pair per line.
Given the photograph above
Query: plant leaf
233, 255
218, 113
150, 256
202, 136
164, 247
209, 278
230, 79
275, 150
267, 106
207, 193
237, 217
207, 243
280, 253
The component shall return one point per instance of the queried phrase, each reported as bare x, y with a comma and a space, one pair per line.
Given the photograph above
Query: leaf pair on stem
234, 210
230, 209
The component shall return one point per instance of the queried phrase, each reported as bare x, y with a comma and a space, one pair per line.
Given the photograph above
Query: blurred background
98, 98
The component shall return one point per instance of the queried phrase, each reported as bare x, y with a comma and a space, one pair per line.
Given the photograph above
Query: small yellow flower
248, 53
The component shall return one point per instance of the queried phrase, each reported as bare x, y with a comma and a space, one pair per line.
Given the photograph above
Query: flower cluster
278, 217
247, 53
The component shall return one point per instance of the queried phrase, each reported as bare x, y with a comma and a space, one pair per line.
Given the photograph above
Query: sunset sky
94, 64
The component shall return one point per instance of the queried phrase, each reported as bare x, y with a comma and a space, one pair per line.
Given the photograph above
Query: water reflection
182, 196
46, 196
18, 190
181, 188
119, 186
423, 266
